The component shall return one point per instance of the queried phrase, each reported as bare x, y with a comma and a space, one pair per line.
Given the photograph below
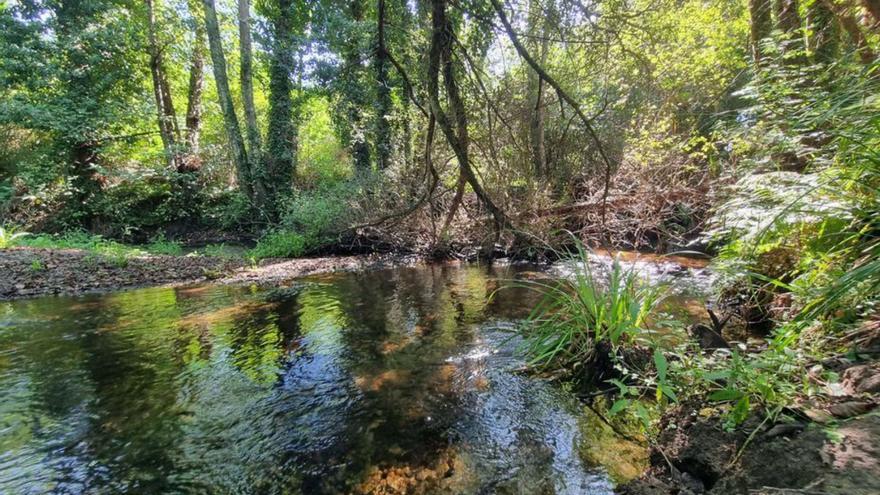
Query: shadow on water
395, 381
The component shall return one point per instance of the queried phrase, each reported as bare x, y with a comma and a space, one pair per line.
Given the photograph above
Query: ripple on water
392, 381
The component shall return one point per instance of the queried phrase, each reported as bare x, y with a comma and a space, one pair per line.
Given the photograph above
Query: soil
695, 455
31, 272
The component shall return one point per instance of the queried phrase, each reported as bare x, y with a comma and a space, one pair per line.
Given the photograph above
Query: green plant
37, 266
115, 252
220, 251
279, 244
583, 310
160, 245
323, 213
10, 237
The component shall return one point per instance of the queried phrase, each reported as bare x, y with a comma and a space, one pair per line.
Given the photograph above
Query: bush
279, 244
321, 215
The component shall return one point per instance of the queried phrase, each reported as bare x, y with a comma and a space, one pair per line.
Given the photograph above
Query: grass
10, 237
96, 245
583, 310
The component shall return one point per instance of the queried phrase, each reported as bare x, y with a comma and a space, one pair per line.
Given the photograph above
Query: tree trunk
230, 120
360, 147
537, 25
84, 160
788, 20
873, 8
760, 26
383, 93
282, 137
166, 117
823, 38
247, 87
454, 126
196, 84
851, 26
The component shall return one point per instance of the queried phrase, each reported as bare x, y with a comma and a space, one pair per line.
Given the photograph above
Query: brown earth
31, 272
695, 455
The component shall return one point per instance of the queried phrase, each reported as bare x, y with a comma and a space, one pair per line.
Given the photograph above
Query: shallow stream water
393, 381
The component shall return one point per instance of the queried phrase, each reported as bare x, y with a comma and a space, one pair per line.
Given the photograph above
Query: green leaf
717, 375
741, 410
725, 395
667, 391
619, 405
661, 364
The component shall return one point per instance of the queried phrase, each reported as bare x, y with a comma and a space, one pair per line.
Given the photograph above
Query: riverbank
32, 272
695, 455
826, 443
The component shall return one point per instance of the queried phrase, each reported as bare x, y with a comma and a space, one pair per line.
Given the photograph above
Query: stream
399, 380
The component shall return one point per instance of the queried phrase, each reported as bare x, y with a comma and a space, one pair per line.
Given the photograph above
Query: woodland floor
30, 272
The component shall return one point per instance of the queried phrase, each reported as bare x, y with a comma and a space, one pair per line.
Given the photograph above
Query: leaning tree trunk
610, 166
282, 137
230, 120
161, 91
383, 93
454, 126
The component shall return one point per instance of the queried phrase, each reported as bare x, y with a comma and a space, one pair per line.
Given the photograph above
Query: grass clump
160, 245
585, 314
10, 237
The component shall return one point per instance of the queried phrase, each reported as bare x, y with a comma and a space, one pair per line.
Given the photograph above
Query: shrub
279, 244
322, 214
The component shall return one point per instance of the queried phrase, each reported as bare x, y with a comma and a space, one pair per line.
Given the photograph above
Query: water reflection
383, 382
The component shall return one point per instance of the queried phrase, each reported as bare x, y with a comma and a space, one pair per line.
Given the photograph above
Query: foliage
10, 236
279, 244
586, 309
322, 214
160, 245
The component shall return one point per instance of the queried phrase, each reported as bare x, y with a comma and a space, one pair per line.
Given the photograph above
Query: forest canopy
424, 126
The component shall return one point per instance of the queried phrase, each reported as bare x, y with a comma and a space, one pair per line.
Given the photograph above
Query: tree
788, 21
824, 35
454, 125
247, 89
537, 26
230, 120
166, 117
761, 24
196, 82
282, 134
383, 92
354, 91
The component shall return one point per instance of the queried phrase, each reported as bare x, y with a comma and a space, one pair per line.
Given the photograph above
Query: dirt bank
695, 455
30, 272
